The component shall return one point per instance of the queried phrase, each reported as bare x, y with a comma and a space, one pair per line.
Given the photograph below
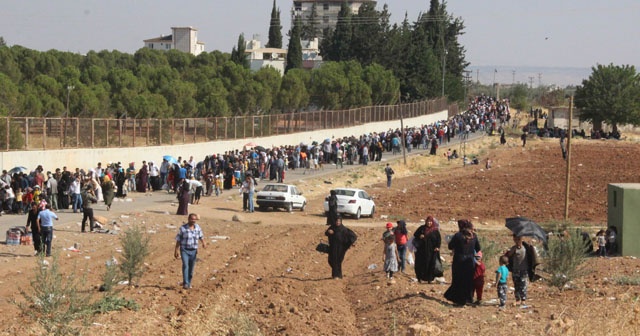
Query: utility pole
444, 62
404, 141
513, 78
477, 76
531, 82
539, 79
495, 93
569, 131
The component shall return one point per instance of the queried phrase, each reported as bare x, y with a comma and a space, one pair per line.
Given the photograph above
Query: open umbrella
260, 149
170, 159
251, 144
524, 227
18, 169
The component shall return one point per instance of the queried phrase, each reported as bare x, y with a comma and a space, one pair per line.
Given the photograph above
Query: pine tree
294, 55
275, 29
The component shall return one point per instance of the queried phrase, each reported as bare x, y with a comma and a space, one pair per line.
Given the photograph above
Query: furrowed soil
261, 275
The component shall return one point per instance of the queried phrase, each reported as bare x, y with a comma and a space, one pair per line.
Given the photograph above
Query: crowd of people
468, 270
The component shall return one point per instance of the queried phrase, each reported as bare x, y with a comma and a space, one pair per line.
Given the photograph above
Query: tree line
173, 84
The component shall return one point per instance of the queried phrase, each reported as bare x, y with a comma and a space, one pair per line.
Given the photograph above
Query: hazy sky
511, 33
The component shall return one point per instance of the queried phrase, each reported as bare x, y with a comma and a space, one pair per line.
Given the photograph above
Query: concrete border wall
88, 157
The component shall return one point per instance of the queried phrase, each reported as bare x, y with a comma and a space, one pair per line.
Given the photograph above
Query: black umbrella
524, 227
259, 149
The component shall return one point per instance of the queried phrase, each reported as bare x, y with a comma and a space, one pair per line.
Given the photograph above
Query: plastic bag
410, 246
438, 269
410, 260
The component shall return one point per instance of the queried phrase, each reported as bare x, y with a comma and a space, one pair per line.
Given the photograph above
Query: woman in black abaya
340, 240
464, 245
427, 241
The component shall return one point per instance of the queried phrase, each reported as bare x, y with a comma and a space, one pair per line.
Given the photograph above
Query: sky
505, 34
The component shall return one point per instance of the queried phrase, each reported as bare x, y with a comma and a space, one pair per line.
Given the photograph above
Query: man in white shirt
195, 190
74, 190
154, 176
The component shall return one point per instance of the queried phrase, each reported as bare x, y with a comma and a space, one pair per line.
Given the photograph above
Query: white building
311, 57
326, 11
184, 39
262, 57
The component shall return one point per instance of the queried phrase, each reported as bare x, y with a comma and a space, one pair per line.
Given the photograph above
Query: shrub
565, 257
135, 249
56, 301
110, 303
111, 275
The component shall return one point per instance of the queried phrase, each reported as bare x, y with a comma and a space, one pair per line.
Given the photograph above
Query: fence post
119, 132
92, 132
26, 130
159, 123
108, 124
134, 132
184, 131
195, 130
61, 132
44, 133
77, 132
215, 129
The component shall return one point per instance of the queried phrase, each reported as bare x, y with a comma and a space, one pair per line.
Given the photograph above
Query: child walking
390, 256
501, 280
601, 238
478, 277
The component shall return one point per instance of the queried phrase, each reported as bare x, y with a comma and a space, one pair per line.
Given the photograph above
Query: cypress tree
237, 53
275, 29
294, 55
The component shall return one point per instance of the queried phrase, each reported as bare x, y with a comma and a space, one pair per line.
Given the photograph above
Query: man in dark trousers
340, 240
88, 199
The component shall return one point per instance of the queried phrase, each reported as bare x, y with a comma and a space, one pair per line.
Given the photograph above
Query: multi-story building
184, 39
260, 57
326, 11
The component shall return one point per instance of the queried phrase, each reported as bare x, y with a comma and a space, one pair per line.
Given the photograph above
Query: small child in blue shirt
501, 280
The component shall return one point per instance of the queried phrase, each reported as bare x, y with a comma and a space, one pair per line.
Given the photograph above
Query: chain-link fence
25, 133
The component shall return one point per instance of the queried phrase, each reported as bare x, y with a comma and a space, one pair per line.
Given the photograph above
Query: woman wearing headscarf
332, 214
107, 191
464, 245
340, 240
143, 176
427, 241
183, 198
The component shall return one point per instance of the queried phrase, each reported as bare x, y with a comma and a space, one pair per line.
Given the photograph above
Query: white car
355, 202
278, 195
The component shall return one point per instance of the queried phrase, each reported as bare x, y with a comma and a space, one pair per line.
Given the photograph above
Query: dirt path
268, 276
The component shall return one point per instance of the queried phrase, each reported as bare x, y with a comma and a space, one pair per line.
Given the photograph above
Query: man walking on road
389, 172
187, 248
45, 226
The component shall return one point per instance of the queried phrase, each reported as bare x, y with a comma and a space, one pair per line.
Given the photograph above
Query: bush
111, 276
57, 301
110, 303
565, 257
135, 249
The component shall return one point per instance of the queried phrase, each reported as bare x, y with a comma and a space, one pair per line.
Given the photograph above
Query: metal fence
26, 133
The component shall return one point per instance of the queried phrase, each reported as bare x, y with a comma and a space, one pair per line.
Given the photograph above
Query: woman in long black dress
427, 241
340, 240
228, 176
464, 245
